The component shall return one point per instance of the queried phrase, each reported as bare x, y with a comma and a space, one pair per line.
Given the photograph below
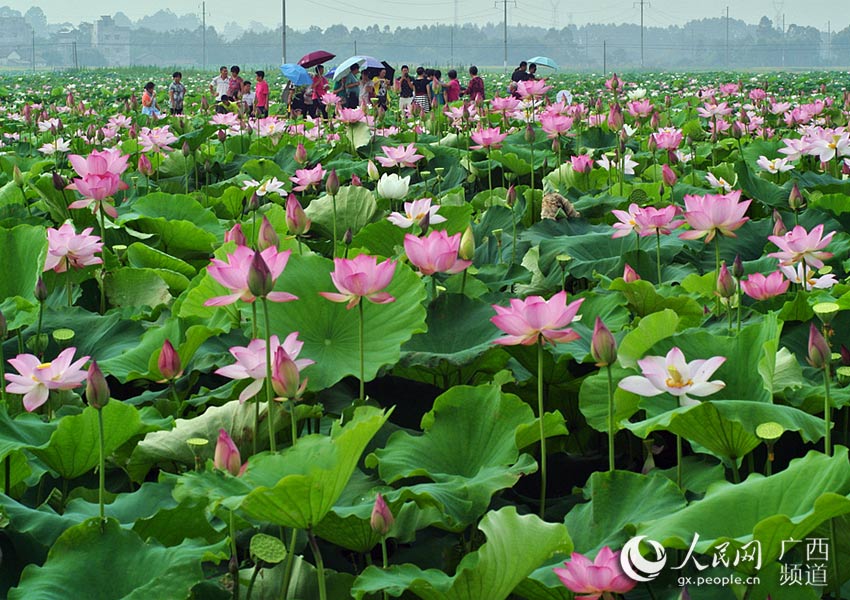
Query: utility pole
454, 26
33, 50
783, 39
641, 3
604, 57
204, 35
829, 42
74, 50
505, 4
355, 47
727, 36
283, 29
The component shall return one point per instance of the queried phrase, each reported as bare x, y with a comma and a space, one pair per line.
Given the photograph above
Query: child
149, 106
261, 100
176, 93
248, 98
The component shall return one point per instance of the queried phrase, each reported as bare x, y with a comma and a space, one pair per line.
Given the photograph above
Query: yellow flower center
43, 366
675, 380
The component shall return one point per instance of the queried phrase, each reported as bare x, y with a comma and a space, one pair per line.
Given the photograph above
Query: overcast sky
301, 14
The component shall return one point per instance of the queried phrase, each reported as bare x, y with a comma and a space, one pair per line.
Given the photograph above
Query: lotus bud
144, 166
382, 518
668, 176
655, 120
235, 234
301, 154
795, 198
58, 182
372, 171
844, 351
355, 180
819, 352
556, 145
40, 290
603, 346
267, 237
91, 132
222, 135
253, 203
530, 135
737, 267
132, 131
60, 126
168, 362
186, 149
97, 390
629, 274
296, 219
205, 104
725, 282
17, 176
615, 117
332, 183
845, 168
466, 250
227, 456
738, 130
598, 105
3, 326
778, 224
259, 277
348, 237
286, 379
510, 197
651, 143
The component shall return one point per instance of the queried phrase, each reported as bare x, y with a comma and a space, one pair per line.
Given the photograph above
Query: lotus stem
320, 567
333, 200
679, 467
611, 432
362, 352
269, 398
101, 469
234, 553
541, 428
384, 558
658, 254
290, 561
827, 407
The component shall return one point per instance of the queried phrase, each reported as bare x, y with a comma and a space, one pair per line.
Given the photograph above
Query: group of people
359, 87
426, 89
232, 93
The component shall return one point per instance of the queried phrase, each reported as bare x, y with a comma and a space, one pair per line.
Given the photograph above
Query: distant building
15, 37
112, 42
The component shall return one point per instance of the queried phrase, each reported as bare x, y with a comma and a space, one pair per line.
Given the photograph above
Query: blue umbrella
543, 61
297, 74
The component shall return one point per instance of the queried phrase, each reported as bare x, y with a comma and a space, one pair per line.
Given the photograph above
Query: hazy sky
303, 13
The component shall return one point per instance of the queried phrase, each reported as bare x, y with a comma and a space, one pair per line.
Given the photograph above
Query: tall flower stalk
603, 348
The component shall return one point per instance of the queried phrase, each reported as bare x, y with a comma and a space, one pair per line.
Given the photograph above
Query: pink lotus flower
296, 219
668, 176
582, 163
233, 274
525, 321
350, 115
712, 214
800, 245
330, 99
157, 139
100, 178
729, 89
235, 234
435, 253
532, 88
555, 125
286, 376
308, 178
667, 138
651, 220
673, 375
227, 456
759, 287
414, 212
66, 248
491, 137
628, 221
361, 277
251, 361
629, 274
614, 83
403, 155
35, 379
504, 105
712, 111
640, 109
593, 579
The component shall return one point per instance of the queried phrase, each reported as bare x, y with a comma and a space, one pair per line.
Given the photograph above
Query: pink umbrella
314, 58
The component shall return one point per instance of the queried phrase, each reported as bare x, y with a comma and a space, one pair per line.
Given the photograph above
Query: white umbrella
345, 66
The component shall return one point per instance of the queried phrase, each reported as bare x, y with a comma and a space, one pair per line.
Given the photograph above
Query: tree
36, 19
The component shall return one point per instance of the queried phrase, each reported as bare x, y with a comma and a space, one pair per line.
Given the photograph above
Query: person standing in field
320, 88
219, 85
248, 98
422, 90
261, 96
234, 84
437, 88
452, 87
381, 86
475, 89
176, 93
404, 87
352, 87
149, 106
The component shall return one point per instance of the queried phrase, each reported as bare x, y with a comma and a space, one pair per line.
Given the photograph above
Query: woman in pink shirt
452, 88
320, 88
261, 91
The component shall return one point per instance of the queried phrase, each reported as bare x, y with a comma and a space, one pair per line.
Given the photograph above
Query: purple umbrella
315, 58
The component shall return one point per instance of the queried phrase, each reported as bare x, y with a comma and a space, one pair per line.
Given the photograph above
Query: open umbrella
297, 74
370, 62
345, 66
374, 71
543, 61
314, 58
